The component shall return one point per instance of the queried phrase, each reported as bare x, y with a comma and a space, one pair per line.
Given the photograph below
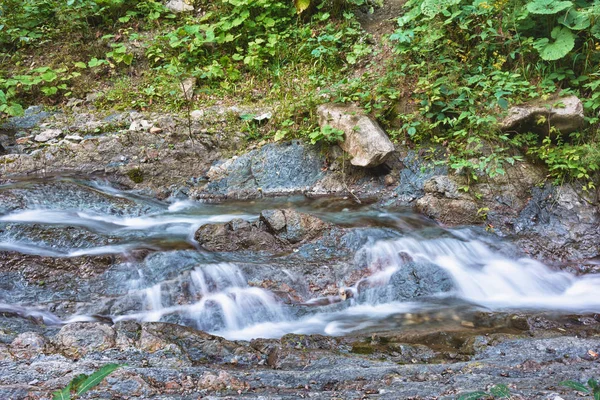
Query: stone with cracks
564, 115
364, 140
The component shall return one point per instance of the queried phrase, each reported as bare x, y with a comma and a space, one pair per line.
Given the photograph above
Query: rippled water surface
383, 266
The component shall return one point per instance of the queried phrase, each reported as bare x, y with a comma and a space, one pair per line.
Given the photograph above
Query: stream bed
76, 250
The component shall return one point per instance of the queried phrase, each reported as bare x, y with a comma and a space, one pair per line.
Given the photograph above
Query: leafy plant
496, 392
83, 383
592, 387
327, 134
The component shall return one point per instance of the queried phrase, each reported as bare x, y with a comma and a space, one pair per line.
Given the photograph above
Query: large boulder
564, 114
274, 169
364, 140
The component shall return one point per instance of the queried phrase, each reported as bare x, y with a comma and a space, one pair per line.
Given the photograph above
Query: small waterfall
488, 278
226, 300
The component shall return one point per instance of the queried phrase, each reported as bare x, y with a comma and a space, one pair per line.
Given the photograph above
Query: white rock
178, 6
75, 138
187, 88
364, 139
197, 114
47, 135
565, 115
140, 125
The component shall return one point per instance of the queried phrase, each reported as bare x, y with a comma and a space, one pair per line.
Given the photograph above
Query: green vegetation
592, 387
496, 392
83, 383
455, 68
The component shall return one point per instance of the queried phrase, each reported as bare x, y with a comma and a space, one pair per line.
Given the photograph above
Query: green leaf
49, 76
575, 20
127, 58
500, 391
472, 395
77, 381
548, 6
80, 65
575, 385
301, 5
431, 8
592, 383
15, 110
596, 394
595, 31
564, 41
64, 394
49, 90
97, 377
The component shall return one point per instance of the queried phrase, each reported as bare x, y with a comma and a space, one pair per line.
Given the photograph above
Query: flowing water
384, 266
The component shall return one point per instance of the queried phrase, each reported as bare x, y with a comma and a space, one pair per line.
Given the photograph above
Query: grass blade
575, 385
472, 396
95, 378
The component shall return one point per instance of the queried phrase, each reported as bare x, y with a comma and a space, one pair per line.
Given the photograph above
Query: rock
32, 117
275, 219
198, 346
24, 139
197, 114
564, 114
80, 338
292, 225
75, 138
223, 381
155, 130
237, 235
442, 185
28, 345
364, 140
452, 212
179, 6
48, 134
187, 88
253, 174
140, 125
559, 223
276, 230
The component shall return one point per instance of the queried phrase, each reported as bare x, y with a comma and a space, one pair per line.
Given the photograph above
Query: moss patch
136, 175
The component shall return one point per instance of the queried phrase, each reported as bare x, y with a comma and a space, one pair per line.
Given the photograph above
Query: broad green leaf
548, 6
2, 97
127, 59
564, 41
15, 110
49, 76
592, 383
95, 378
575, 20
472, 395
575, 385
49, 90
301, 5
597, 395
500, 391
80, 65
